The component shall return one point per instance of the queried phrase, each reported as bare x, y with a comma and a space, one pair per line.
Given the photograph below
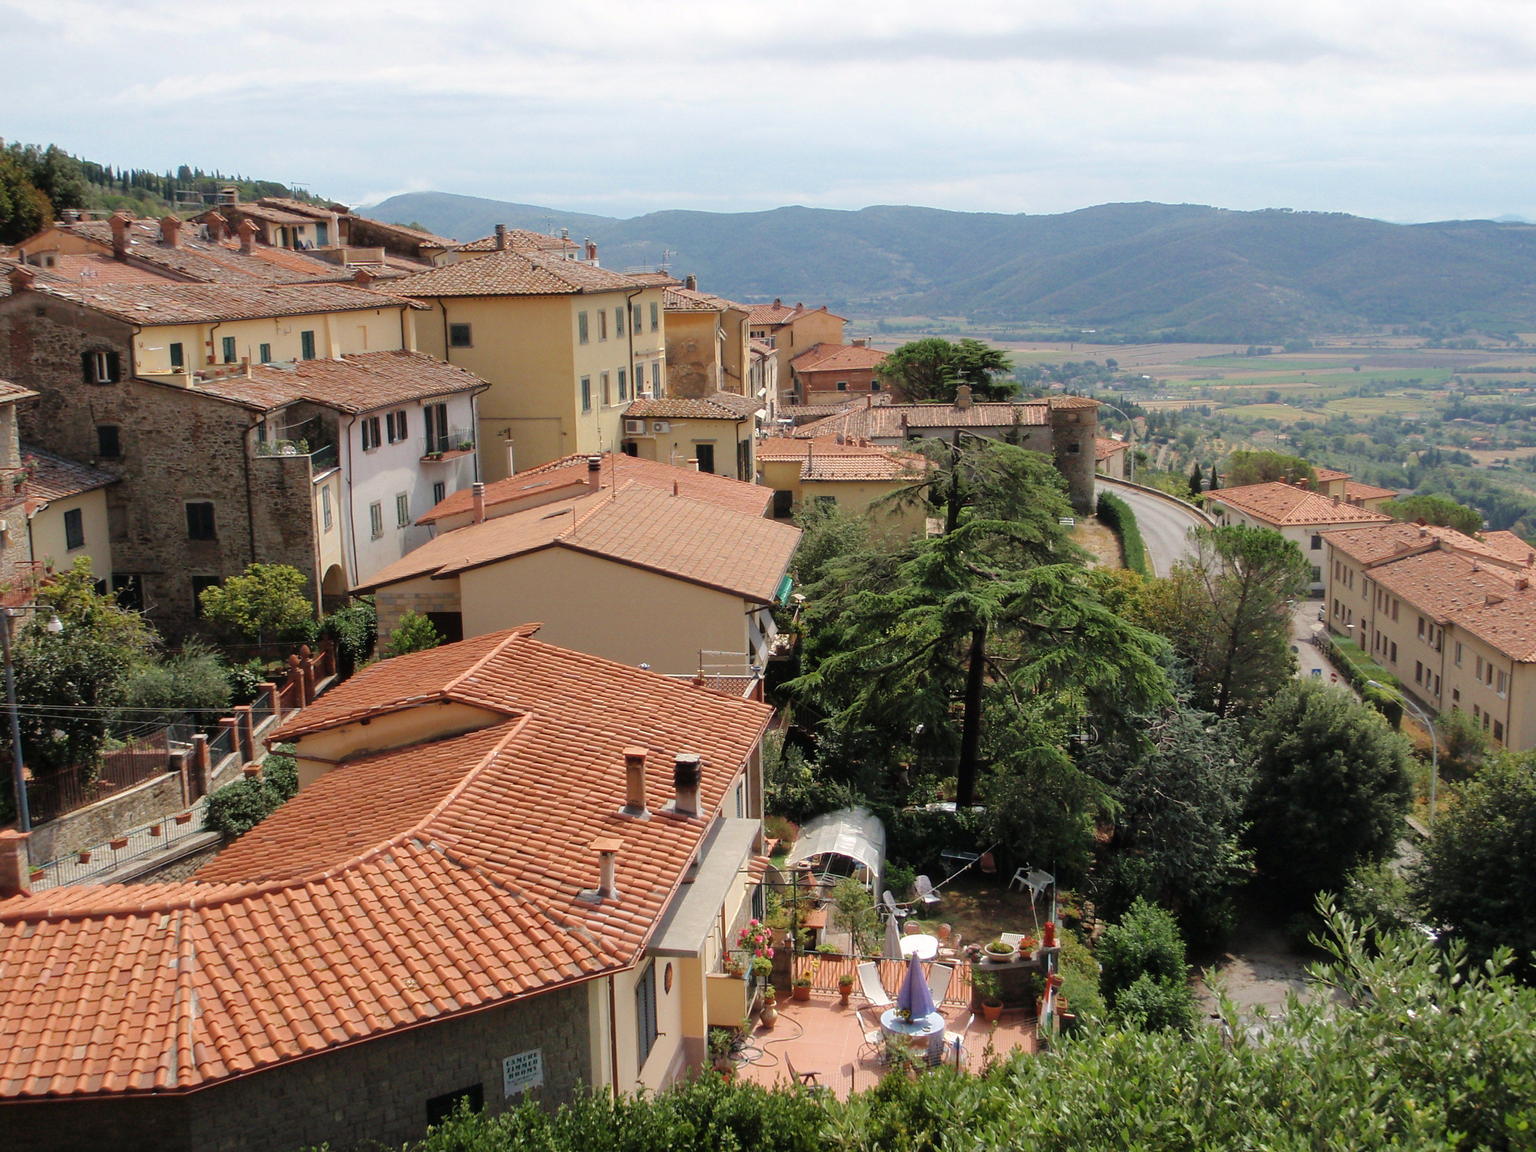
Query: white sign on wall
522, 1072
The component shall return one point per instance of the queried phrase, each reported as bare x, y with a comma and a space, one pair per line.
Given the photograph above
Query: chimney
963, 397
120, 222
607, 849
247, 232
21, 278
777, 303
363, 278
594, 472
676, 488
592, 252
693, 462
1491, 598
685, 779
861, 342
634, 782
15, 868
691, 282
501, 237
217, 227
170, 231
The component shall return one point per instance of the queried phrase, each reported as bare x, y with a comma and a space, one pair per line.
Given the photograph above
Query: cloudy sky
1404, 110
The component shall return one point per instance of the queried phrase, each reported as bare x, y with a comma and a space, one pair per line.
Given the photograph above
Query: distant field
1379, 405
1281, 412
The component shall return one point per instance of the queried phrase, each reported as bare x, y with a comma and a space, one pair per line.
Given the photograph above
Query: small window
607, 390
602, 324
402, 509
266, 353
109, 442
637, 320
459, 336
439, 492
74, 531
200, 584
1498, 731
623, 385
586, 393
229, 349
395, 425
200, 524
307, 344
376, 519
370, 428
1317, 541
842, 385
583, 330
618, 321
440, 1108
1502, 687
100, 367
1073, 448
645, 1013
874, 385
1317, 574
178, 357
655, 316
325, 508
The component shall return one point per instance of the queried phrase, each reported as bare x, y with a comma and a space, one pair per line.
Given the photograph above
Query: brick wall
393, 605
375, 1091
177, 446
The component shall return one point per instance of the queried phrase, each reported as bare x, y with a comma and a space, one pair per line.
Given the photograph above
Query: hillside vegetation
1150, 270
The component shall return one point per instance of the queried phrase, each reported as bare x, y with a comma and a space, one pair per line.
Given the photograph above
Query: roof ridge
521, 632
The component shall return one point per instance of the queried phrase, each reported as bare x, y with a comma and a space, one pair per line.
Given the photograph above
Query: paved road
1164, 526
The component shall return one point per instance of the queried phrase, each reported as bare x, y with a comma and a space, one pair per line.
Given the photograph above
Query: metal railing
452, 440
826, 971
145, 840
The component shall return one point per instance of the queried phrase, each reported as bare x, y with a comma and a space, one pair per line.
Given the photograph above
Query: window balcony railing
454, 440
322, 456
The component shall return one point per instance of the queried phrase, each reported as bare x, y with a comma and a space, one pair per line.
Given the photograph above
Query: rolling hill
1148, 270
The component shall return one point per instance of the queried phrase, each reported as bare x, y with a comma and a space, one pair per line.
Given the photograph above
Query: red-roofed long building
1451, 616
511, 870
1293, 510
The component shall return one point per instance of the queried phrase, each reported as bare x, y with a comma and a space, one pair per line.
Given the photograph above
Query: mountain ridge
1139, 268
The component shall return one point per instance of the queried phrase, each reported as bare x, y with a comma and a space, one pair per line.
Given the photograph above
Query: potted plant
721, 1044
762, 968
466, 445
84, 856
770, 1013
1027, 948
120, 842
800, 987
154, 829
998, 951
733, 965
37, 874
845, 986
989, 992
183, 817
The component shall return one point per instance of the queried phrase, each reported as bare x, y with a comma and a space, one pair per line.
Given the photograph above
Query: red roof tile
205, 303
827, 459
363, 382
838, 358
56, 478
513, 274
402, 888
1285, 505
883, 421
720, 406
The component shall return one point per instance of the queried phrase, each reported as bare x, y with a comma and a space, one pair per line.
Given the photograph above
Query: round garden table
922, 946
911, 1030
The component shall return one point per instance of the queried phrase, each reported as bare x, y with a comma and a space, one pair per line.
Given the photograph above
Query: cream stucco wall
335, 334
612, 610
529, 349
49, 542
852, 495
732, 440
319, 752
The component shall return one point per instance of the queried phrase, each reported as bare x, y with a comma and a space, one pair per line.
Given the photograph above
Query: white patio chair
938, 983
926, 892
954, 1042
872, 1040
1019, 879
869, 984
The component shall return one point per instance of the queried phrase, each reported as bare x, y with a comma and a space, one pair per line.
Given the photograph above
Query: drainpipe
250, 496
613, 1038
349, 527
629, 316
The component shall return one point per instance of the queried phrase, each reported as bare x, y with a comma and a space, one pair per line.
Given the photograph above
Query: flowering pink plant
756, 938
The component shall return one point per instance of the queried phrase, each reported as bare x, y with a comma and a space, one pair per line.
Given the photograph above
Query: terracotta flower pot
154, 829
120, 842
183, 817
990, 1012
84, 857
800, 992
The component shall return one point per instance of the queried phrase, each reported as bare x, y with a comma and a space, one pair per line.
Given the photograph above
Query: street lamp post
18, 769
1434, 746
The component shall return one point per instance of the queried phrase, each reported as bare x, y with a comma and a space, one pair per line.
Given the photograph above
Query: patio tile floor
821, 1035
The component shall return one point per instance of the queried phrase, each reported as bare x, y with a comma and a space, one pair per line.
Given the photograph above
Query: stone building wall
176, 447
369, 1094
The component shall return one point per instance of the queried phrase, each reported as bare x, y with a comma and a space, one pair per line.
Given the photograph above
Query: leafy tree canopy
1439, 510
934, 368
265, 603
1331, 787
1259, 466
414, 633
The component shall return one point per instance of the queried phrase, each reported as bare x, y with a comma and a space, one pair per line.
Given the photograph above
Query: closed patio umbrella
892, 938
914, 995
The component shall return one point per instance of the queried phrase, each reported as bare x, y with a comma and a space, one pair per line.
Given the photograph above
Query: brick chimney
477, 493
15, 867
634, 782
217, 226
691, 282
594, 472
685, 780
693, 462
607, 849
247, 232
501, 237
363, 278
861, 342
1521, 583
170, 231
21, 278
119, 222
592, 252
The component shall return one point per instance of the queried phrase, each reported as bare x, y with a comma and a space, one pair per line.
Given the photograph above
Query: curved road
1164, 524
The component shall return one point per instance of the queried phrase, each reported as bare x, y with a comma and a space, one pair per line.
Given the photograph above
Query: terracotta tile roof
688, 539
678, 299
837, 358
205, 303
1371, 545
778, 314
719, 406
301, 207
1104, 448
513, 274
570, 472
1354, 490
897, 421
10, 393
99, 268
1324, 475
521, 240
204, 261
827, 459
56, 477
654, 279
402, 888
362, 382
1440, 583
1285, 505
424, 238
1508, 623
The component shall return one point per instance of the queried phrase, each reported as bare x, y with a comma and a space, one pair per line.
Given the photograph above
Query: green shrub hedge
1116, 515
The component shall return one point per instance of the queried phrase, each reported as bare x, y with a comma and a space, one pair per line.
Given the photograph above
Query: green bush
1151, 1004
1116, 515
191, 687
236, 808
355, 630
1145, 976
415, 633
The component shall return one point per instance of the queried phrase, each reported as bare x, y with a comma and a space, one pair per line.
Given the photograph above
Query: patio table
925, 947
911, 1030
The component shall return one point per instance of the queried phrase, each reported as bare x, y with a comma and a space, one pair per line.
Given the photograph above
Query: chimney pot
634, 782
217, 226
594, 472
363, 278
477, 494
247, 232
685, 779
963, 397
15, 866
691, 282
501, 237
170, 231
676, 488
119, 222
693, 462
592, 252
22, 278
607, 849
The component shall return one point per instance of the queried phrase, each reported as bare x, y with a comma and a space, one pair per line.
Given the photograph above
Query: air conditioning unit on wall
634, 427
660, 427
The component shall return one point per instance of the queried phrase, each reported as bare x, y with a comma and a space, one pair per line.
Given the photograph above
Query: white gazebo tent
850, 841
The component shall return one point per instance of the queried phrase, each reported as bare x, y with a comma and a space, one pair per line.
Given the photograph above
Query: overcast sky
1405, 110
